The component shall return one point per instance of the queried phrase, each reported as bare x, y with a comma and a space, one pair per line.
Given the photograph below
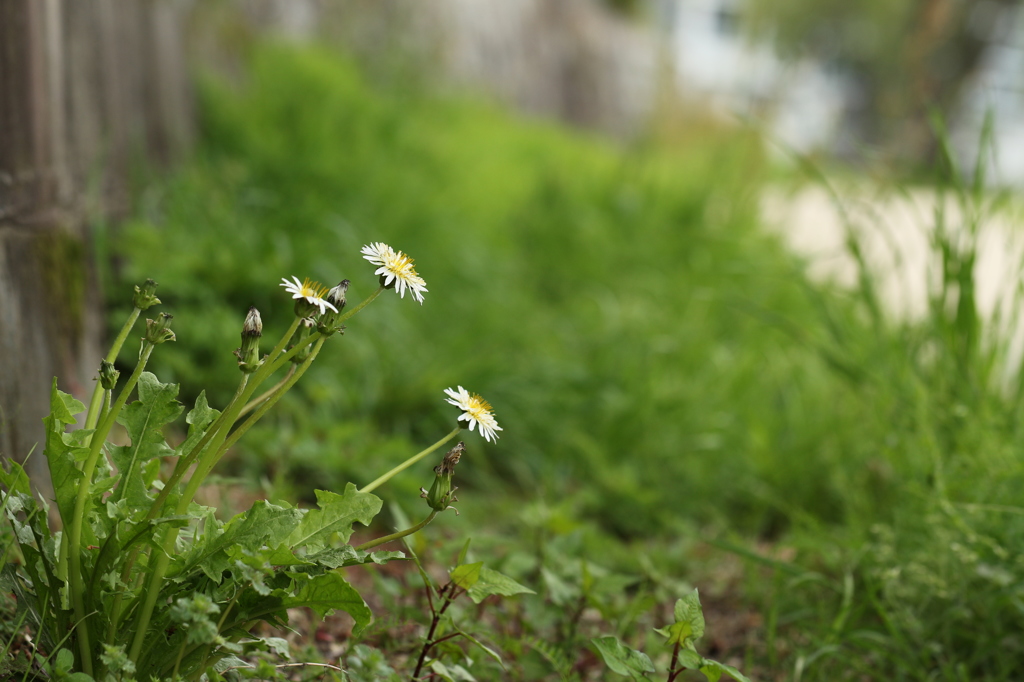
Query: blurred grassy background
656, 360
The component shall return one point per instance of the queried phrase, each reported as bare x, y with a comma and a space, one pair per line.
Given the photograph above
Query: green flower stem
255, 402
365, 302
281, 389
396, 536
250, 382
186, 460
92, 418
409, 462
78, 519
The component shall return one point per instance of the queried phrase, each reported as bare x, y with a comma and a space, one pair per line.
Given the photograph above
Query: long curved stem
365, 302
409, 462
396, 536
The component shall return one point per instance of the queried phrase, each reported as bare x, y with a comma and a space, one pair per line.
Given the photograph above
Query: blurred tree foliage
906, 57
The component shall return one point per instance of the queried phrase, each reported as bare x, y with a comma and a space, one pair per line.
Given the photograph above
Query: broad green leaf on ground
466, 575
330, 592
60, 452
198, 418
621, 659
336, 514
144, 420
265, 525
689, 625
491, 582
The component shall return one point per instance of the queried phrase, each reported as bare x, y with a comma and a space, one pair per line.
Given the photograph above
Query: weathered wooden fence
89, 93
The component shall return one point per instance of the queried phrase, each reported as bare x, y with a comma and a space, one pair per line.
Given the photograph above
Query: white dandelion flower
396, 268
476, 411
310, 291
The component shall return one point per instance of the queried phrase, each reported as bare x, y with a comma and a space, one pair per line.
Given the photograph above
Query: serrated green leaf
330, 592
491, 582
144, 420
336, 515
621, 659
199, 419
466, 575
265, 525
61, 455
14, 479
63, 407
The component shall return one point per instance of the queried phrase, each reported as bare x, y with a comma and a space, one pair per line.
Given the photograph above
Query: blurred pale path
896, 233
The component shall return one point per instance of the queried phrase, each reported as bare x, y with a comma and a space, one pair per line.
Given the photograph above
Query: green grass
655, 359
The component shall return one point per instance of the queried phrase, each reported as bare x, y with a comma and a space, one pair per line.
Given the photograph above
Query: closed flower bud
108, 375
158, 330
249, 354
145, 297
442, 493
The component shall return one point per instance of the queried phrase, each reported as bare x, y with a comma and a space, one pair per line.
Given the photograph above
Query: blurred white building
801, 103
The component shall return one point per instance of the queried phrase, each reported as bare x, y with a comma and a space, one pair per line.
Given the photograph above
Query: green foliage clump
611, 300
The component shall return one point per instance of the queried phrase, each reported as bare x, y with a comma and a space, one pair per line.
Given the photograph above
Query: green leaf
329, 592
483, 647
199, 419
337, 514
690, 659
467, 575
491, 582
15, 480
63, 663
337, 557
713, 671
62, 452
621, 659
265, 525
144, 420
63, 407
689, 625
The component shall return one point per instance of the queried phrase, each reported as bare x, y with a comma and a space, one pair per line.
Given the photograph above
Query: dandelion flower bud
249, 354
145, 297
336, 297
108, 375
442, 493
158, 330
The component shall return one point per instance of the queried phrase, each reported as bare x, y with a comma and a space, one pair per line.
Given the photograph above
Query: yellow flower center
313, 289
